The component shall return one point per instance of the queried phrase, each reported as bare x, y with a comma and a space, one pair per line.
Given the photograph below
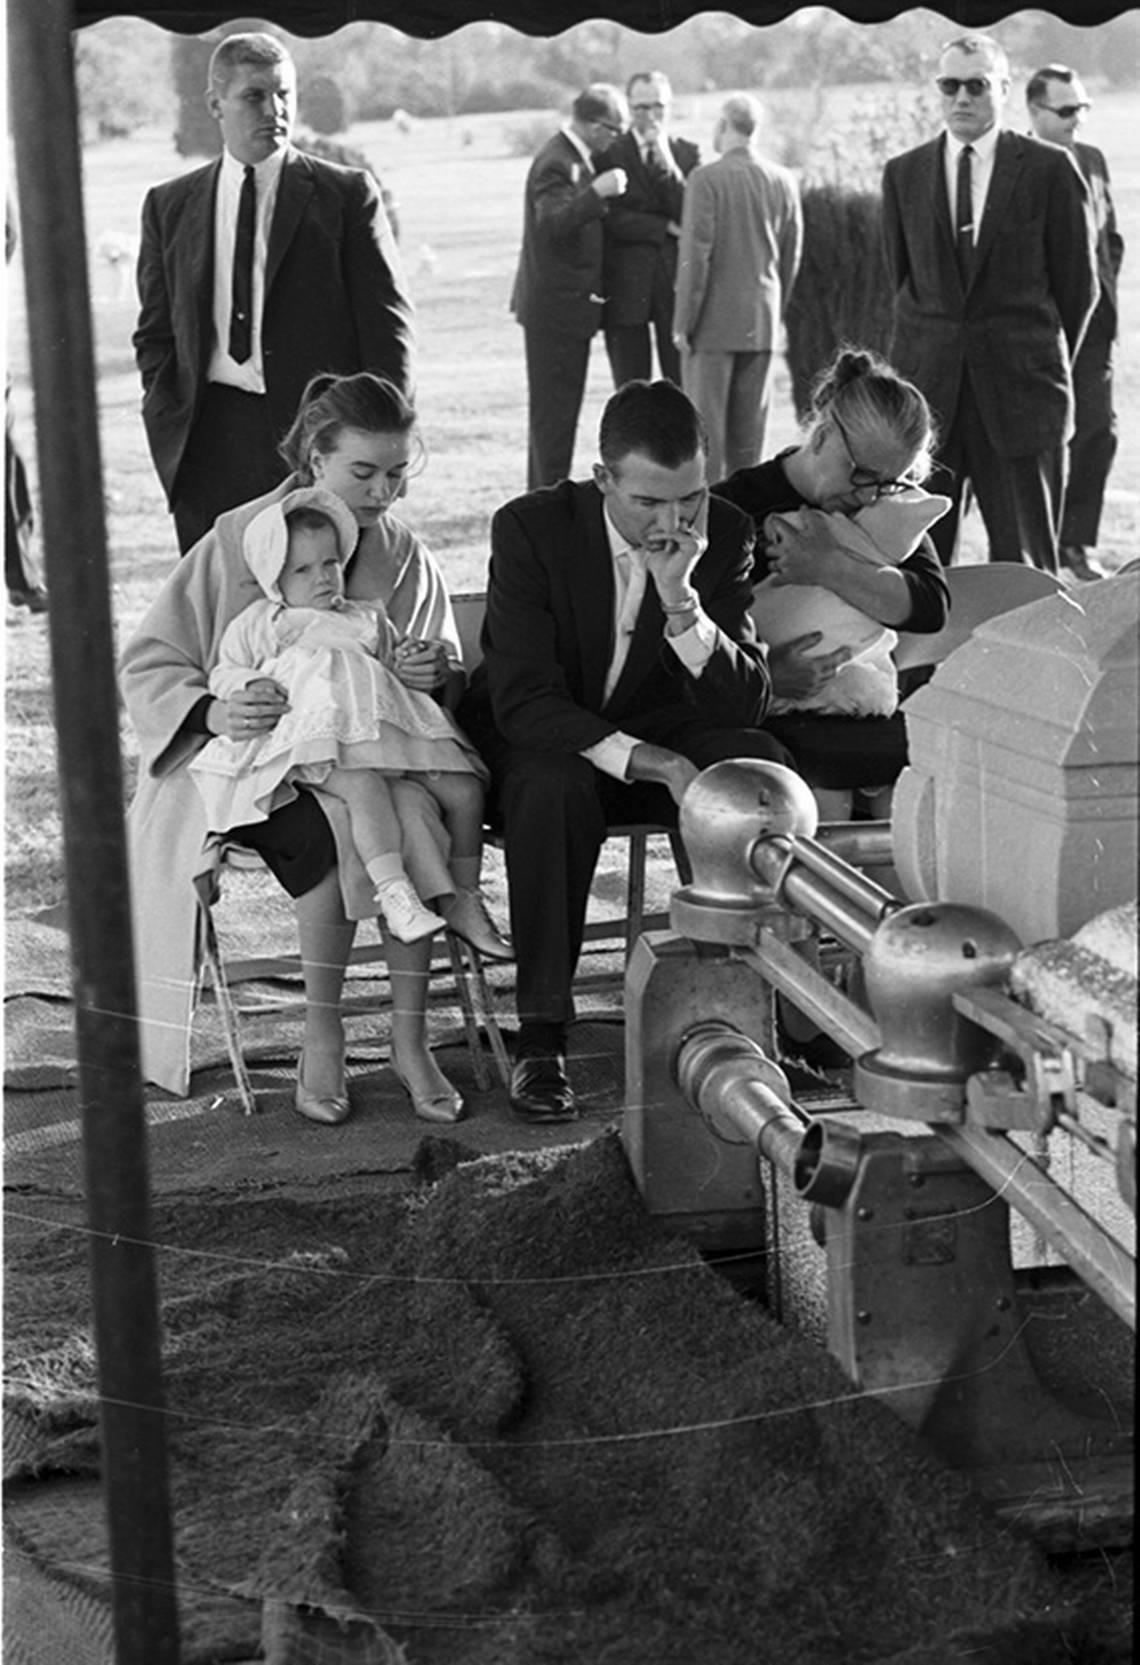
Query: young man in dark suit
557, 297
641, 232
1058, 104
991, 252
255, 273
619, 660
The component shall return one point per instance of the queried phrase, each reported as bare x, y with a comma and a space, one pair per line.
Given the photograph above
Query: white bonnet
265, 542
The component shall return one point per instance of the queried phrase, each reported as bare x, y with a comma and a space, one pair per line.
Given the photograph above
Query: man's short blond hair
257, 49
976, 46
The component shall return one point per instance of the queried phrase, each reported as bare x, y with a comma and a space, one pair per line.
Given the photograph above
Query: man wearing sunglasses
558, 296
991, 253
1058, 105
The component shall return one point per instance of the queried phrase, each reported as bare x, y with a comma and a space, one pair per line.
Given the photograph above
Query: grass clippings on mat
508, 1421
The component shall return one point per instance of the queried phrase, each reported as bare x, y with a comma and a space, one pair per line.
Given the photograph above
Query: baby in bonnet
880, 534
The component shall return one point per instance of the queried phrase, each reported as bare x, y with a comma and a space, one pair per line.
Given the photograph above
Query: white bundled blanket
880, 535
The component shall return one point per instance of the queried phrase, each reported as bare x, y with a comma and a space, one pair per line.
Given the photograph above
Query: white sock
385, 870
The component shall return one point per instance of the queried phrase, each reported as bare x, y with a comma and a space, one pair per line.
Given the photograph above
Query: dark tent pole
124, 1290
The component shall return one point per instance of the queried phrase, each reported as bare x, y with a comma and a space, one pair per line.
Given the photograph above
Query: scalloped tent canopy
430, 18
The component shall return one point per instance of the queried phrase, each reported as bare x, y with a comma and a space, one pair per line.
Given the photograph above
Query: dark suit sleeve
377, 290
561, 206
154, 333
894, 241
734, 688
929, 594
1070, 249
643, 214
530, 696
1113, 240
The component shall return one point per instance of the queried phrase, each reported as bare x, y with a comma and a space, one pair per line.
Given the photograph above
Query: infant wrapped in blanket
881, 534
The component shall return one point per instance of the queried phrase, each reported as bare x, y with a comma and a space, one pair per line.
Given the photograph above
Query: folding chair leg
680, 857
466, 1006
231, 1026
635, 891
467, 964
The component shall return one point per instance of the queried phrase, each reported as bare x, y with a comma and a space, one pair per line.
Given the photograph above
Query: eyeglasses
1066, 111
610, 126
864, 479
950, 86
648, 109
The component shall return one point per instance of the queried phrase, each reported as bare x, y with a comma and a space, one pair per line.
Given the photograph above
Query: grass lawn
459, 188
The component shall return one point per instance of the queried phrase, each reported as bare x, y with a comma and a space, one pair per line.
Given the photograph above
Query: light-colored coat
741, 242
164, 673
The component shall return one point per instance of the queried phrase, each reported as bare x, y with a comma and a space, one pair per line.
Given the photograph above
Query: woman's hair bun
852, 363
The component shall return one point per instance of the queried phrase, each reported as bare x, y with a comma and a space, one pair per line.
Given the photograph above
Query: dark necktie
964, 215
241, 295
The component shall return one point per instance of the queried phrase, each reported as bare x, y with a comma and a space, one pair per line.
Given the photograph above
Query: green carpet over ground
505, 1420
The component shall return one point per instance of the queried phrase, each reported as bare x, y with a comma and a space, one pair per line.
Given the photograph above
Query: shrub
518, 93
196, 132
323, 106
331, 150
527, 137
842, 295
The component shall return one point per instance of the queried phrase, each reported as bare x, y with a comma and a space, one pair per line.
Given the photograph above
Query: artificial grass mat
506, 1420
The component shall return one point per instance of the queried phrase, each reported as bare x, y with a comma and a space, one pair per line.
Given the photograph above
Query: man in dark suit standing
619, 660
641, 233
558, 295
255, 273
990, 248
1058, 104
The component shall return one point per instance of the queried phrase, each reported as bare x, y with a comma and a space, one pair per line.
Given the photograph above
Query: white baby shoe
404, 913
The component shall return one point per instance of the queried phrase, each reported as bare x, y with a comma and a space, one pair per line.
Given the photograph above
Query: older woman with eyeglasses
869, 436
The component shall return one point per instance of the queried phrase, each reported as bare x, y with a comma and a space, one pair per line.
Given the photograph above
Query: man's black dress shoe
539, 1090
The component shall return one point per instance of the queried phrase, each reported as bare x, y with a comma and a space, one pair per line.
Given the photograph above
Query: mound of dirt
506, 1420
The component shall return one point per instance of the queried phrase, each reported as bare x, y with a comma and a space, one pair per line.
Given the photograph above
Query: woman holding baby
354, 441
863, 455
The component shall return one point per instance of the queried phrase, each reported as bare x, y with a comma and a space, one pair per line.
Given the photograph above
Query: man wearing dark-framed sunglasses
1058, 105
991, 254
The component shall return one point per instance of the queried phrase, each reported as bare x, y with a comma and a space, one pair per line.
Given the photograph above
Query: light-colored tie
631, 566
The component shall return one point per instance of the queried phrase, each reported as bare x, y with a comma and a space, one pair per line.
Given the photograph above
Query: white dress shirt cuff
612, 754
694, 646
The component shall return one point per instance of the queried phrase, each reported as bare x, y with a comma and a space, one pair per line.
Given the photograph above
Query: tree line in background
127, 70
131, 74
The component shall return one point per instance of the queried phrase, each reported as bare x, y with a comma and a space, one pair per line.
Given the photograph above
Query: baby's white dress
347, 709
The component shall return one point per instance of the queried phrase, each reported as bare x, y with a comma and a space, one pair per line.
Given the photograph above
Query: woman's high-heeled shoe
447, 1106
331, 1109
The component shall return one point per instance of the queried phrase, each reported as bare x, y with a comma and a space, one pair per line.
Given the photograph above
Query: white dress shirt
250, 376
693, 646
981, 172
583, 150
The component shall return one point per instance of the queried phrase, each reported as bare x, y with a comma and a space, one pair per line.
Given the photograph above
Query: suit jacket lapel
644, 646
294, 189
934, 170
1007, 165
196, 233
634, 162
592, 591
